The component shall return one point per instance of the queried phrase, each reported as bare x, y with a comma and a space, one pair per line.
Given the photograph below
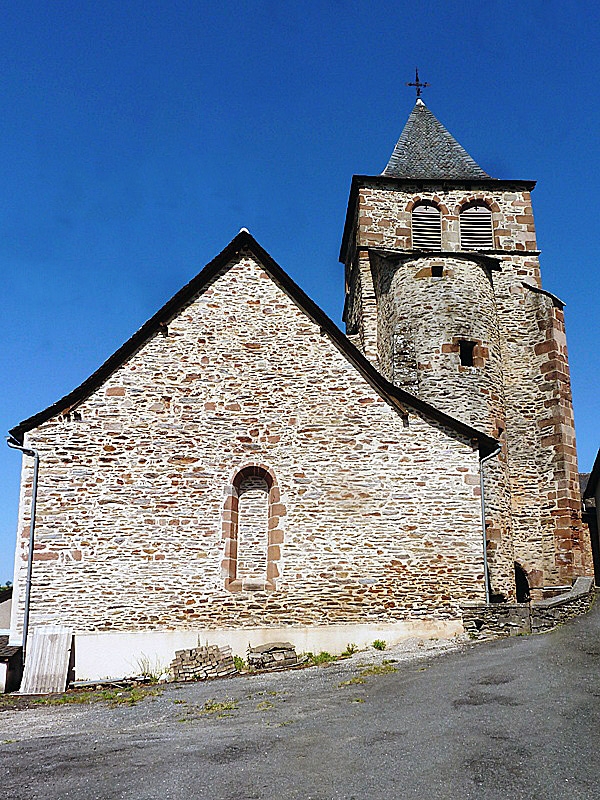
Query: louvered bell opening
426, 228
476, 229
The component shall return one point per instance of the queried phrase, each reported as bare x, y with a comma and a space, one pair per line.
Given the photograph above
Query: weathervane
417, 84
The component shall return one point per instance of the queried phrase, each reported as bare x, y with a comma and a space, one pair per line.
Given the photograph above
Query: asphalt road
508, 719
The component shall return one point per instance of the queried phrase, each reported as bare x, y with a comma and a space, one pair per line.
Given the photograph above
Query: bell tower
444, 296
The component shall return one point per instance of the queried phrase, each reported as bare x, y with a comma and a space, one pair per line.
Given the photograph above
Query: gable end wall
381, 523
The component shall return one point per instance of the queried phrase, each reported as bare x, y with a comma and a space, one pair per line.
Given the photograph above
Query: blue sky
137, 138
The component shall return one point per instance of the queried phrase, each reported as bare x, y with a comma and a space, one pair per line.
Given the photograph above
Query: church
240, 471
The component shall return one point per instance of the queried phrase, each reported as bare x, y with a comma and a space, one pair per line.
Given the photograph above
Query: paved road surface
500, 721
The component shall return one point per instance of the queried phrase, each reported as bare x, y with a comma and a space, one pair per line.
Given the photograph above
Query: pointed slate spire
426, 149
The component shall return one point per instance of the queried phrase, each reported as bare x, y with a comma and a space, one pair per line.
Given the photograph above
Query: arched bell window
426, 227
476, 232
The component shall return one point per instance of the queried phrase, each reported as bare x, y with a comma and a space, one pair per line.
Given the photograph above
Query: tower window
465, 350
437, 271
476, 231
426, 227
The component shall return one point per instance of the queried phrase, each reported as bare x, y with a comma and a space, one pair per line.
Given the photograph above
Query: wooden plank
47, 660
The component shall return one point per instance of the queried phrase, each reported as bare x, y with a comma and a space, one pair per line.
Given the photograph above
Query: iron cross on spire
417, 84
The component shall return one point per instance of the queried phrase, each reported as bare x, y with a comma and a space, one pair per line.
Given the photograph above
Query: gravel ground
27, 717
513, 718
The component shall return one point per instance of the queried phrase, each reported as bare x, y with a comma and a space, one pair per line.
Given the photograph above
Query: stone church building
240, 471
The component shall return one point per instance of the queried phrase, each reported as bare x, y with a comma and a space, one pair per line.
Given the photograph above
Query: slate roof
244, 242
592, 482
7, 651
426, 149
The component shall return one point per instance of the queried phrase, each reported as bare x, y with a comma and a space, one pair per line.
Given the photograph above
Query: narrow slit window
426, 228
465, 350
476, 231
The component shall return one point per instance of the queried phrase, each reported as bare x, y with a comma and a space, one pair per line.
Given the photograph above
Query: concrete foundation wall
117, 655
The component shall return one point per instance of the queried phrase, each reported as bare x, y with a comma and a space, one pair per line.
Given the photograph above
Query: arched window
251, 532
426, 227
476, 232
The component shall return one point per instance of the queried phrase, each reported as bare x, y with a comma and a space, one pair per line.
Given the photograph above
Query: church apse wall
242, 418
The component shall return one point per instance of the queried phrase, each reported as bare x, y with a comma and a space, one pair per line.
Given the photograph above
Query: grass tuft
351, 682
113, 697
378, 669
320, 658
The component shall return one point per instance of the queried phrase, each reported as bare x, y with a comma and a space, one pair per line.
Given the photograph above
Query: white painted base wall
101, 656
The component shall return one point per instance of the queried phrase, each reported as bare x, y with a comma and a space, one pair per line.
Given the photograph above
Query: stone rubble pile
202, 663
272, 656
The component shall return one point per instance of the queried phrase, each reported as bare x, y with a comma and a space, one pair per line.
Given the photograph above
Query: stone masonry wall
421, 319
521, 392
376, 522
549, 540
483, 621
384, 215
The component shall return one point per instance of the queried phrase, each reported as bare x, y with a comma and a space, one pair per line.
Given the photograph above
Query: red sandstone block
274, 494
273, 552
46, 556
545, 347
278, 509
552, 439
115, 391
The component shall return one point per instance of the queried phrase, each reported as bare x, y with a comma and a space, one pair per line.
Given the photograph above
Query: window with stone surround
426, 227
476, 231
251, 532
471, 352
